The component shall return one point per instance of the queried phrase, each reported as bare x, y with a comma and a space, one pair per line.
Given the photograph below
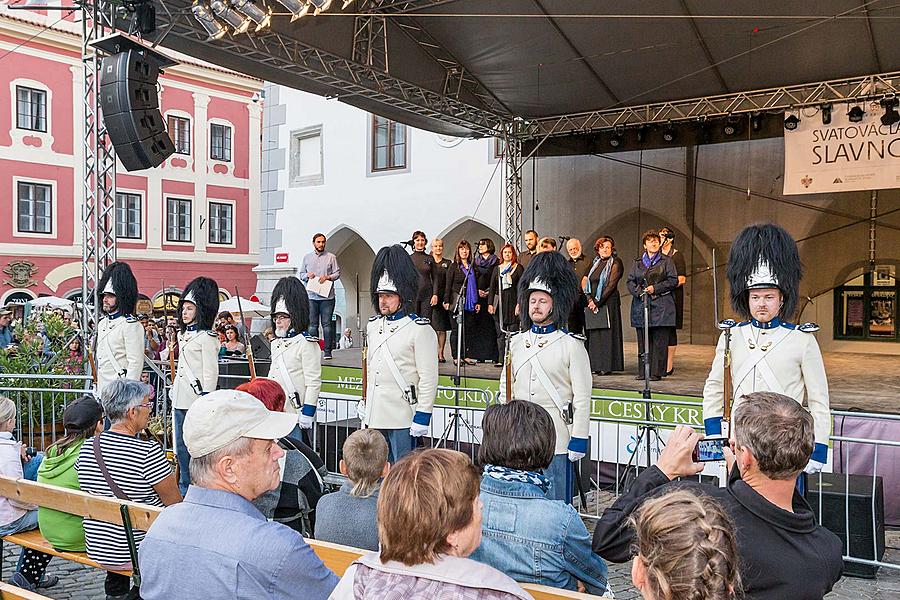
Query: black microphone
406, 243
564, 238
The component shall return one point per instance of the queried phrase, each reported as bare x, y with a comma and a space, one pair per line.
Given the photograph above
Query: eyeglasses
148, 404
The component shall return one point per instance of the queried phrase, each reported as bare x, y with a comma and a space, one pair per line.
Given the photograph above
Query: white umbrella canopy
251, 308
52, 302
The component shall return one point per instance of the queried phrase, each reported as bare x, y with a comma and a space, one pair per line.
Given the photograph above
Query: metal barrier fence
619, 445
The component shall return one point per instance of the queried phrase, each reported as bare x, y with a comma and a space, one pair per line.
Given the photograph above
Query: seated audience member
783, 552
686, 549
348, 516
227, 547
16, 516
82, 419
526, 535
302, 471
429, 521
138, 468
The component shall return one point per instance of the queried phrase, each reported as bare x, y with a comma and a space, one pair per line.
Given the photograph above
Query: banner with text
842, 156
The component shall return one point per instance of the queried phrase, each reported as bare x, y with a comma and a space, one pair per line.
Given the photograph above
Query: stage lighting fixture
297, 8
669, 134
224, 12
856, 114
756, 122
616, 140
791, 122
641, 134
826, 114
213, 28
321, 5
890, 115
253, 12
732, 126
703, 134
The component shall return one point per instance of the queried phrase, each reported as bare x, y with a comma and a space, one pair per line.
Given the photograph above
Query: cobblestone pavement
78, 582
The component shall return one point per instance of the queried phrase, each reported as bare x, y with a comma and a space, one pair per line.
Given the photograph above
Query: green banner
606, 403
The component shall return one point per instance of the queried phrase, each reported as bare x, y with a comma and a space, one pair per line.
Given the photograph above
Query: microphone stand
646, 429
455, 418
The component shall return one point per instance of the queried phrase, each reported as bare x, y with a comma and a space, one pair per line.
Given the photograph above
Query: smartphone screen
709, 450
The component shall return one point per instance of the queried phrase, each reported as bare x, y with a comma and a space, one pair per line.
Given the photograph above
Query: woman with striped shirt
138, 469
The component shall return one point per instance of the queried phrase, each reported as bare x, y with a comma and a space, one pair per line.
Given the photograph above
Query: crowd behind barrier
864, 463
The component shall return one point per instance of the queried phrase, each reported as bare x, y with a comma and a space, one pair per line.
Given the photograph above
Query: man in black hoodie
784, 553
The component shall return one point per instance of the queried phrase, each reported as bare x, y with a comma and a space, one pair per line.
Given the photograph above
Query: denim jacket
536, 540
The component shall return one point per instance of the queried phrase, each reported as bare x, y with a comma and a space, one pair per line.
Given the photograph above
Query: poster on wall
844, 155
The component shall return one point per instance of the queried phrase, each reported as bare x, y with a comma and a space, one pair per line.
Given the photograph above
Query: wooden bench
74, 502
334, 556
11, 592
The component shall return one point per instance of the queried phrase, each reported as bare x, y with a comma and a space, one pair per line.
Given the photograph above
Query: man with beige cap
222, 545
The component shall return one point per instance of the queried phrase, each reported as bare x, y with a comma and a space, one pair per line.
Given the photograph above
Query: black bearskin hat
291, 292
549, 272
119, 280
764, 255
203, 292
393, 271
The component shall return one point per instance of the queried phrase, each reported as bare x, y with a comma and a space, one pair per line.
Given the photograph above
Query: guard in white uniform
296, 356
197, 372
550, 366
767, 352
120, 336
402, 364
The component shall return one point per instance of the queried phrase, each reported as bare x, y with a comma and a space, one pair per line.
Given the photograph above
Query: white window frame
233, 205
143, 228
295, 180
222, 123
370, 147
18, 134
179, 114
165, 211
54, 214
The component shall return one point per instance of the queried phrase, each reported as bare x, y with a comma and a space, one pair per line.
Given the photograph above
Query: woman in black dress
604, 336
427, 296
653, 273
503, 301
483, 338
461, 290
440, 318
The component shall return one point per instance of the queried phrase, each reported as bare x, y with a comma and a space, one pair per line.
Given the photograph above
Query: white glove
813, 467
417, 430
361, 410
575, 456
306, 422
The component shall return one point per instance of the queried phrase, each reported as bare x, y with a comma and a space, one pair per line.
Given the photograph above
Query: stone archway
469, 229
353, 304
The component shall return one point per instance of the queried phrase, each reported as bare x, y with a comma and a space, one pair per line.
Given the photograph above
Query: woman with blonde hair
685, 549
429, 522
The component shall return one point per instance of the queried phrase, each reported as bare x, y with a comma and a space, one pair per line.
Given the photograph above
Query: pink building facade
197, 214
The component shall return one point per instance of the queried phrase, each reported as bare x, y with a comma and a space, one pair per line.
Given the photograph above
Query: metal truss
854, 89
401, 6
512, 185
98, 246
370, 41
350, 77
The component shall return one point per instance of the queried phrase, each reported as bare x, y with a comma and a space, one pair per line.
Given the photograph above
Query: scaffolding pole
512, 185
98, 244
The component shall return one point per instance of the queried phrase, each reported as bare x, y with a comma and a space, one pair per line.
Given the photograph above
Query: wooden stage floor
864, 382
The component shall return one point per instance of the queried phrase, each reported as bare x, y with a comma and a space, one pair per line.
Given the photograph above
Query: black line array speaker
130, 105
857, 507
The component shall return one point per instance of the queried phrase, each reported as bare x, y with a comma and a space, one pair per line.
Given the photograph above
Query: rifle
365, 353
169, 344
725, 326
507, 352
248, 346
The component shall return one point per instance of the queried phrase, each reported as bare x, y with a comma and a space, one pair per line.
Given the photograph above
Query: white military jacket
772, 357
545, 358
198, 360
297, 366
120, 349
411, 344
